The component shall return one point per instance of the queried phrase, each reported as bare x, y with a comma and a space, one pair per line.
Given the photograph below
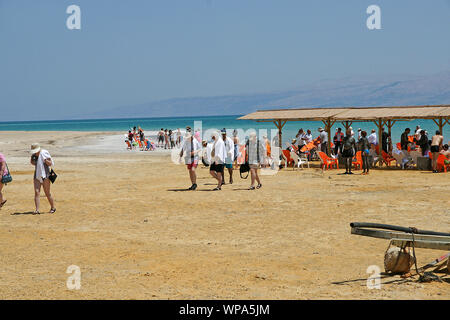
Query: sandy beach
124, 218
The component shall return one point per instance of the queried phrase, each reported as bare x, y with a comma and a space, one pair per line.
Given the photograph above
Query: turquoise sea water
217, 122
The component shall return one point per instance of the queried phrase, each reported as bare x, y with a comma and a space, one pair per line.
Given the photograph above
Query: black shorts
161, 139
434, 149
216, 167
347, 153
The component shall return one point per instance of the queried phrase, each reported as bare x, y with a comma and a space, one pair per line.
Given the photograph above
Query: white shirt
308, 137
220, 152
187, 150
229, 146
373, 138
300, 142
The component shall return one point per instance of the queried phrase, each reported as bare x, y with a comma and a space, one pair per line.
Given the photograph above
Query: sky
137, 51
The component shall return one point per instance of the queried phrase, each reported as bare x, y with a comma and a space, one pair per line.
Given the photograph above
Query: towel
41, 173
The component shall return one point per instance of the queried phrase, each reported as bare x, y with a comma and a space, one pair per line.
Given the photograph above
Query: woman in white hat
42, 161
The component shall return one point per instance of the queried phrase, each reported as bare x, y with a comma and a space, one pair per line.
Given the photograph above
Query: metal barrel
395, 228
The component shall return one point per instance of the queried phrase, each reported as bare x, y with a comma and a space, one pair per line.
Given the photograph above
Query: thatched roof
351, 113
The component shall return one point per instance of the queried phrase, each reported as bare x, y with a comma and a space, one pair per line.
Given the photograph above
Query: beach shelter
380, 116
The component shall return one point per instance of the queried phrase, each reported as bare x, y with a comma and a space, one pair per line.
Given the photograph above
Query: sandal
2, 204
251, 188
53, 210
36, 212
259, 186
217, 189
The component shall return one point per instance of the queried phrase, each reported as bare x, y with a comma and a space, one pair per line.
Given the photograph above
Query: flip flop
251, 188
53, 210
217, 189
36, 212
259, 186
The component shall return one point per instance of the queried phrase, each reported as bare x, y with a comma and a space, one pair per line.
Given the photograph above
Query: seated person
446, 152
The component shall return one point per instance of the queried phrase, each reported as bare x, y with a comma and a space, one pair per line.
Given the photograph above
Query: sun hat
35, 148
320, 129
223, 131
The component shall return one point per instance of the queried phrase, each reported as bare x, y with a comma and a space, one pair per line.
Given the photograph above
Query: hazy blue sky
136, 51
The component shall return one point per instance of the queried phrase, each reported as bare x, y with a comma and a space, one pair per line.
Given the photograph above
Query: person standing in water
348, 147
42, 161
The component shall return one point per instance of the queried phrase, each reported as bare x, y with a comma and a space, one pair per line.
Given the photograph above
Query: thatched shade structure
381, 116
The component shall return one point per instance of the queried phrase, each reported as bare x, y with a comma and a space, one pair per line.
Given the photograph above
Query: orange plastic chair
441, 164
327, 161
241, 158
358, 160
387, 158
287, 155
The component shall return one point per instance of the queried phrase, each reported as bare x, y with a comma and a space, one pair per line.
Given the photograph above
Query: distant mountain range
350, 91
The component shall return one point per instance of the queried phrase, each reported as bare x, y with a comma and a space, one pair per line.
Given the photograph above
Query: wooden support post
347, 124
390, 124
328, 124
280, 124
379, 124
440, 123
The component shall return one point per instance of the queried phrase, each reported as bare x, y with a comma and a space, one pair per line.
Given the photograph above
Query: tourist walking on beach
423, 143
3, 172
42, 161
348, 147
166, 139
364, 146
161, 138
229, 148
236, 147
254, 154
191, 150
218, 157
436, 146
178, 142
323, 141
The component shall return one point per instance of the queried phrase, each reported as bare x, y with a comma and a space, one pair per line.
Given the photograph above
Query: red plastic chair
387, 158
287, 156
441, 164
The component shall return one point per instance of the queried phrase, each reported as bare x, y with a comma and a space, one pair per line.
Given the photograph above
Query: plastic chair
387, 158
287, 157
327, 161
441, 164
358, 160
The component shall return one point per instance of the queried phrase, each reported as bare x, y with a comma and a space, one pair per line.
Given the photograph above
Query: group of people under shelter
349, 146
